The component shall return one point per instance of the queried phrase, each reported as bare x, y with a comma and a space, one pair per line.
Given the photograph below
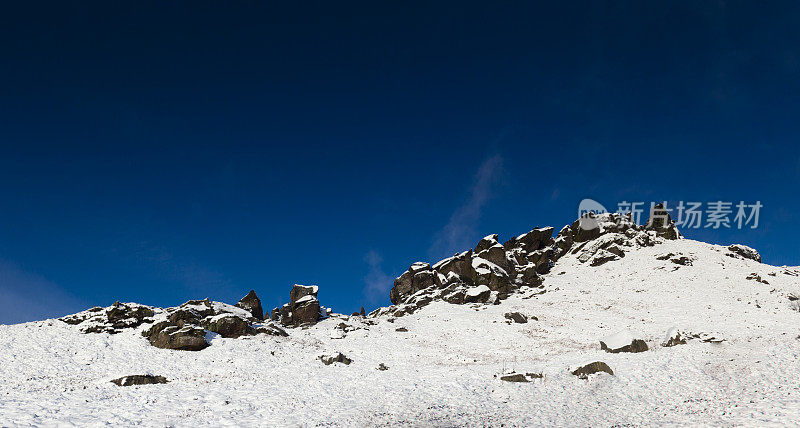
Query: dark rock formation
490, 272
583, 372
168, 336
251, 303
383, 367
113, 319
139, 380
228, 325
516, 317
661, 222
303, 307
744, 252
519, 377
636, 345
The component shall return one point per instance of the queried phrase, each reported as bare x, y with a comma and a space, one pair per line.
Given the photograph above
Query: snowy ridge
734, 360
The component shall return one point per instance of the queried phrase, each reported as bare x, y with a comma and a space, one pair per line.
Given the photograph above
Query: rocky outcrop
491, 271
743, 252
583, 372
113, 319
139, 380
251, 303
303, 308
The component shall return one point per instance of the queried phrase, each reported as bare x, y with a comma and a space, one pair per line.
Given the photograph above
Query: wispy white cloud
460, 232
377, 282
25, 296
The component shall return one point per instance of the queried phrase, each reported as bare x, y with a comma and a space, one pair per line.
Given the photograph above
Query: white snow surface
444, 371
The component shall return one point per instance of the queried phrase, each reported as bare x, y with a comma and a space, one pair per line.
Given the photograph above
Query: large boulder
229, 325
251, 303
167, 336
303, 307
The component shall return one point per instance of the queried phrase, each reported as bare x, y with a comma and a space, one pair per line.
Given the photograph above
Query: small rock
583, 372
139, 380
401, 329
383, 367
339, 358
517, 377
516, 317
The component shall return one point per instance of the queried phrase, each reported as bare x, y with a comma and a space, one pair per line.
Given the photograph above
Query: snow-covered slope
443, 363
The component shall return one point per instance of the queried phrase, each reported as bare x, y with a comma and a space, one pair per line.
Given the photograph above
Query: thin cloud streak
460, 232
377, 282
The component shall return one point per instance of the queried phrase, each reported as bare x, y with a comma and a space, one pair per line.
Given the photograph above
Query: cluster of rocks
185, 327
303, 308
743, 252
113, 319
492, 271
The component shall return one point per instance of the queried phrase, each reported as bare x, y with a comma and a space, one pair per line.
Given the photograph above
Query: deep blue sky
157, 152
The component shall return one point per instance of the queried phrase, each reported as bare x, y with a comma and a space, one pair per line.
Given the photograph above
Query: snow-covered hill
734, 324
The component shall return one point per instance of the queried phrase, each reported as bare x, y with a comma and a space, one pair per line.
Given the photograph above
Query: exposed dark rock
401, 329
516, 317
251, 303
521, 261
674, 338
139, 380
229, 326
516, 377
303, 308
745, 252
186, 338
661, 222
383, 367
757, 278
682, 260
338, 358
113, 319
636, 345
583, 372
519, 377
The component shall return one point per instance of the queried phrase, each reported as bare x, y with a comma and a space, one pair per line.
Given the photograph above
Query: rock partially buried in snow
744, 252
139, 380
519, 377
516, 317
674, 337
583, 372
338, 358
623, 341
